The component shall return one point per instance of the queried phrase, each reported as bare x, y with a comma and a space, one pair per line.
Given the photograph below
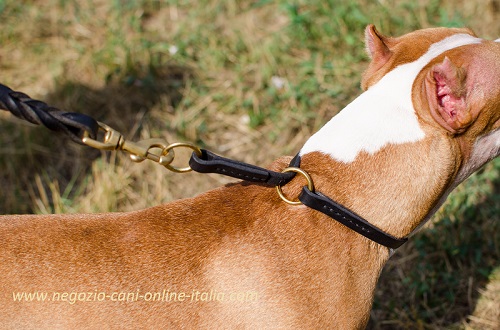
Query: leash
86, 130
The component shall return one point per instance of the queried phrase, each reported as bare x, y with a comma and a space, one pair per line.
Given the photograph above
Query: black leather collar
209, 162
323, 204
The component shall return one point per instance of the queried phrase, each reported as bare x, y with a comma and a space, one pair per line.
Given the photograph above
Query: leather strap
209, 162
323, 204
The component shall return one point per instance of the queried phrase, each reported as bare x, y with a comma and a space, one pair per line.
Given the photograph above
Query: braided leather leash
74, 125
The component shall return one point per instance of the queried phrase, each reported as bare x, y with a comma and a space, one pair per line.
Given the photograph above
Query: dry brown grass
487, 312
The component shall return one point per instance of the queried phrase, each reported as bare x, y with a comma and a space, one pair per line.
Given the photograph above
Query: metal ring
167, 155
310, 184
178, 145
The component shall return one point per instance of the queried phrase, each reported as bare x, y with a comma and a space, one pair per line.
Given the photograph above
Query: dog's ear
376, 46
451, 110
379, 52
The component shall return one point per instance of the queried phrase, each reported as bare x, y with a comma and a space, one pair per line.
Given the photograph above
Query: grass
247, 79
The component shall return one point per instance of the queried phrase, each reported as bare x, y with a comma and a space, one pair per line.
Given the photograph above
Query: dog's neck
376, 158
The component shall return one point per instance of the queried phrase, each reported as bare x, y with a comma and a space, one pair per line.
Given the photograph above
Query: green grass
207, 71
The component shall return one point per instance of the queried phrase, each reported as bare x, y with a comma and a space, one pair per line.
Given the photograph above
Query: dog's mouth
446, 98
447, 102
438, 97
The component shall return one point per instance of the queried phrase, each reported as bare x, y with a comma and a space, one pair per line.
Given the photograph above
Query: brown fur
291, 266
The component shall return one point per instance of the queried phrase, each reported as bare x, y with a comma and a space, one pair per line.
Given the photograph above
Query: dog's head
456, 93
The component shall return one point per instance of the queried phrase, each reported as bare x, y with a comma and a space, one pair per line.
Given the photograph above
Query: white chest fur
382, 115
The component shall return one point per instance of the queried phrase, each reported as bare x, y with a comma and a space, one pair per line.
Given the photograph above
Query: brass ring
310, 184
179, 145
167, 155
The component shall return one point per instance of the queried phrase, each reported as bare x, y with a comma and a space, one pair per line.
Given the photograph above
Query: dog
238, 256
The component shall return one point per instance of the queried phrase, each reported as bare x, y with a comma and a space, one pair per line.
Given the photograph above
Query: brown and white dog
238, 256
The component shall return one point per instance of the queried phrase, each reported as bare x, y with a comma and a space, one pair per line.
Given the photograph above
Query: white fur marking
382, 115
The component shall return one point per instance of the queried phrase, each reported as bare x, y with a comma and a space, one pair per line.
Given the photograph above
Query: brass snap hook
152, 149
111, 140
156, 150
310, 184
